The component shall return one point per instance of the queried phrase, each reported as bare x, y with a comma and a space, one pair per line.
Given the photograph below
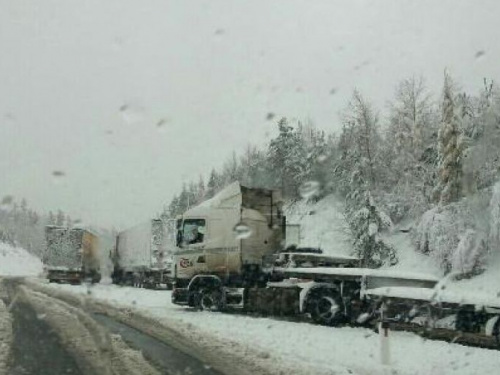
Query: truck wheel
496, 332
326, 308
209, 299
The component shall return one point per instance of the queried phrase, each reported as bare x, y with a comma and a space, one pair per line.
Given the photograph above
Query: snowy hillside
322, 224
15, 261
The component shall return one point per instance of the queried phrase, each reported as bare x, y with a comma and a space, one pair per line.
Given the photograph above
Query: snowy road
283, 347
36, 348
43, 335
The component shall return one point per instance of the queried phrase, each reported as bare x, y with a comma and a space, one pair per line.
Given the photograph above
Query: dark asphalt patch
36, 349
168, 359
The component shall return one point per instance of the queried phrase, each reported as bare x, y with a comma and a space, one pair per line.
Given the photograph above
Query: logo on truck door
185, 263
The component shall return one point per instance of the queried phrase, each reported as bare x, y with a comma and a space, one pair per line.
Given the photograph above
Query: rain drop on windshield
242, 231
309, 189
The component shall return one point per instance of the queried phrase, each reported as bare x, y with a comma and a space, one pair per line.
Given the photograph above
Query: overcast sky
128, 99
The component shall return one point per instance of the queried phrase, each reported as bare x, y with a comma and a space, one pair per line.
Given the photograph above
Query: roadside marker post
384, 331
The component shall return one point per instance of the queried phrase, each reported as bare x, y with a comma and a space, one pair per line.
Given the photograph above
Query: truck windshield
190, 231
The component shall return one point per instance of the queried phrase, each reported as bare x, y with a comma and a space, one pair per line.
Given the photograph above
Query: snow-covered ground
304, 347
322, 225
15, 261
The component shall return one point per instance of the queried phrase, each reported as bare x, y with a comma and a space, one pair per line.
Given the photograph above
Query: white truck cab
228, 234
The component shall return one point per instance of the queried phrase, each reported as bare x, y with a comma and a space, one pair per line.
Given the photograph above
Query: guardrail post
384, 331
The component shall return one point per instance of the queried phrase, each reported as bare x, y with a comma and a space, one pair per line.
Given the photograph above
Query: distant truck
71, 255
143, 255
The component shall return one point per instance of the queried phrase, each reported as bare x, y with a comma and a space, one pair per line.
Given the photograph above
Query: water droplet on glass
321, 158
333, 91
270, 116
299, 89
7, 201
162, 122
220, 32
58, 174
309, 189
41, 316
9, 117
161, 125
118, 41
479, 54
131, 114
242, 231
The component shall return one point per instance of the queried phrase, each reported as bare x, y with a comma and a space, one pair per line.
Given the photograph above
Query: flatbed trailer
441, 314
337, 296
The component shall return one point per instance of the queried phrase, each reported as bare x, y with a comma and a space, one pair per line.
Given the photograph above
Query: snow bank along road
258, 345
43, 331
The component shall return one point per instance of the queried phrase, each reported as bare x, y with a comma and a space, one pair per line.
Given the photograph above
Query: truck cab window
191, 231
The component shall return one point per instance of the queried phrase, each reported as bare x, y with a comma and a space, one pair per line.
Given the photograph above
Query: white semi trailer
142, 255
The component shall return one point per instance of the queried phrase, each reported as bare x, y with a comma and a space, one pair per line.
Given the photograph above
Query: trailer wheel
208, 299
496, 332
326, 308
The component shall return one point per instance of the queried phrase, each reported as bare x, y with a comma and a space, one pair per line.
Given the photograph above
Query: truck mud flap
273, 301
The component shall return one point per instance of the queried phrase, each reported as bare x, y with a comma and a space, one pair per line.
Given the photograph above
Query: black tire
496, 332
208, 299
326, 308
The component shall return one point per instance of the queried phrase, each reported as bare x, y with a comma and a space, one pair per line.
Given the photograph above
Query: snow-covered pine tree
69, 221
200, 193
407, 183
366, 223
494, 233
213, 184
193, 194
173, 207
357, 168
286, 156
51, 219
357, 173
231, 171
481, 163
60, 218
451, 148
315, 168
184, 200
